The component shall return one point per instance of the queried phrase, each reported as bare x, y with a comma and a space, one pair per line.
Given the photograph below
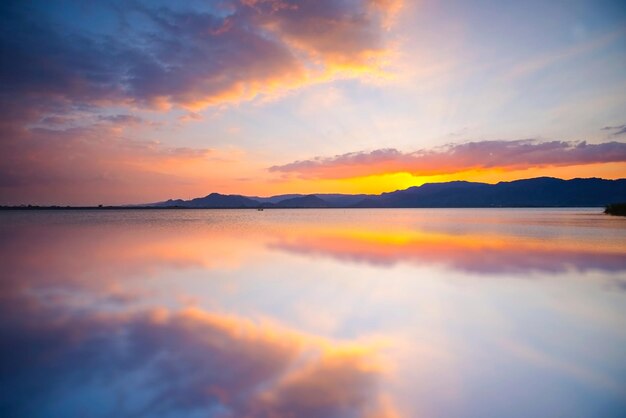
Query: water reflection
312, 313
191, 362
468, 252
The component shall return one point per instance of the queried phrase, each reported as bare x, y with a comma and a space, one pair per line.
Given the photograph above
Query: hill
213, 200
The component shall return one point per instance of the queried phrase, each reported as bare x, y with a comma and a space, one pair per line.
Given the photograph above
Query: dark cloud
57, 121
619, 130
610, 128
47, 69
518, 154
121, 119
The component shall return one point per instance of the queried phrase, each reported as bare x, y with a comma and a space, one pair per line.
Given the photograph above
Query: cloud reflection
173, 363
78, 338
477, 253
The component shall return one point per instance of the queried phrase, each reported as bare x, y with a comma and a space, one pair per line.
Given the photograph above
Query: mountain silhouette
213, 200
309, 201
535, 192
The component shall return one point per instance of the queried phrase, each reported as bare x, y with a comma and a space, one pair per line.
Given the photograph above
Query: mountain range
535, 192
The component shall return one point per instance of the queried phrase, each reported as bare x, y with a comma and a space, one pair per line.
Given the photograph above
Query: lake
313, 313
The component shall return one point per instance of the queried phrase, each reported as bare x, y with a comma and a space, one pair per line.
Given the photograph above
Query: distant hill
343, 200
536, 192
333, 199
310, 201
275, 199
214, 200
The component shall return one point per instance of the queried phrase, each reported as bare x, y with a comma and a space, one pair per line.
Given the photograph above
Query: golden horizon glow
390, 182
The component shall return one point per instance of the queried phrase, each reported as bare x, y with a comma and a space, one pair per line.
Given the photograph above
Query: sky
115, 102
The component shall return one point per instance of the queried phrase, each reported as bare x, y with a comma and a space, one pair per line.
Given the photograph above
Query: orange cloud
309, 41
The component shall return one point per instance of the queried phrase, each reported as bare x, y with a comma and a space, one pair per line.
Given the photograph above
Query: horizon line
153, 205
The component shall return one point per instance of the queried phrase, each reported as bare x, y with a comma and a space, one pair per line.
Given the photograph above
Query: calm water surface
313, 313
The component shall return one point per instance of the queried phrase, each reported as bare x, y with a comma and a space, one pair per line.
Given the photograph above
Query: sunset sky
138, 101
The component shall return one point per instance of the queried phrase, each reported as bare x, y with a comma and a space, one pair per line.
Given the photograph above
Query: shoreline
106, 208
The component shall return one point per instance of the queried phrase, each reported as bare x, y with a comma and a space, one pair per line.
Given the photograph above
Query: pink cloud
77, 164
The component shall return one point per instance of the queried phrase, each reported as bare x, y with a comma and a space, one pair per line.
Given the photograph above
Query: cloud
518, 154
619, 130
121, 119
61, 80
190, 116
190, 58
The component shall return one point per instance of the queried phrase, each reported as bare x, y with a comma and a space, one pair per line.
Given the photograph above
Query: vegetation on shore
618, 209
